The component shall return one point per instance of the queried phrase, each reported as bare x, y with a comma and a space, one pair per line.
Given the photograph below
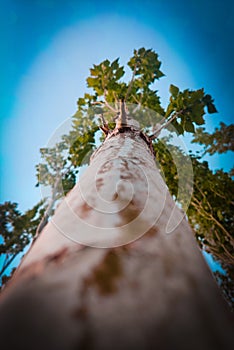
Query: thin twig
105, 126
157, 132
49, 208
131, 82
8, 264
107, 104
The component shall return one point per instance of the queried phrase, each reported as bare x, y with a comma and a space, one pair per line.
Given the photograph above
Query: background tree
56, 173
220, 141
17, 231
210, 210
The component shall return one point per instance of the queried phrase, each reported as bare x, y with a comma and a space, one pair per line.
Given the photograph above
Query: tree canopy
211, 206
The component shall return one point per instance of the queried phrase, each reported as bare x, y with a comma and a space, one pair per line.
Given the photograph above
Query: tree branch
122, 119
131, 82
7, 264
157, 132
104, 127
138, 102
107, 104
49, 208
209, 216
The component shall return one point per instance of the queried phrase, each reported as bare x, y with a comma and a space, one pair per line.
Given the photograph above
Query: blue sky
48, 46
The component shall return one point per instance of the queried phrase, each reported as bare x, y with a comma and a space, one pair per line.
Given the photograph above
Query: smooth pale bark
156, 292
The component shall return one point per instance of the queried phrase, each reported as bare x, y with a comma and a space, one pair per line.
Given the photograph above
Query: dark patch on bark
126, 177
99, 183
105, 167
120, 130
86, 341
80, 313
105, 276
168, 265
129, 213
137, 161
84, 210
192, 282
59, 256
132, 133
125, 163
115, 196
151, 232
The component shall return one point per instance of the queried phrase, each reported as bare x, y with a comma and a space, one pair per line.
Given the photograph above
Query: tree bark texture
137, 287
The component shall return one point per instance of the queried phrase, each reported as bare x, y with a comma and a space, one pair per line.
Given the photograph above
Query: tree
211, 205
58, 173
209, 211
220, 141
17, 230
136, 278
215, 206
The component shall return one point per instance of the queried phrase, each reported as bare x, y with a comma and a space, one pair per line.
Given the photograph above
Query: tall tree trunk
154, 292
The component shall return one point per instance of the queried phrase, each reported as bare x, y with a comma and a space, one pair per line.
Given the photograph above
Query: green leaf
92, 82
198, 119
211, 108
119, 73
106, 63
98, 110
177, 126
174, 90
196, 95
219, 214
189, 127
81, 102
115, 64
94, 71
209, 103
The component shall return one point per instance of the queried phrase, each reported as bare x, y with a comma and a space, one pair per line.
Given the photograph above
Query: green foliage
211, 211
56, 169
184, 112
68, 182
174, 166
189, 108
104, 79
146, 67
17, 230
82, 146
167, 166
221, 141
212, 202
211, 208
225, 281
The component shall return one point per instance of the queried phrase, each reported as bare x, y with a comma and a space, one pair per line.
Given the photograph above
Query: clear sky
48, 46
